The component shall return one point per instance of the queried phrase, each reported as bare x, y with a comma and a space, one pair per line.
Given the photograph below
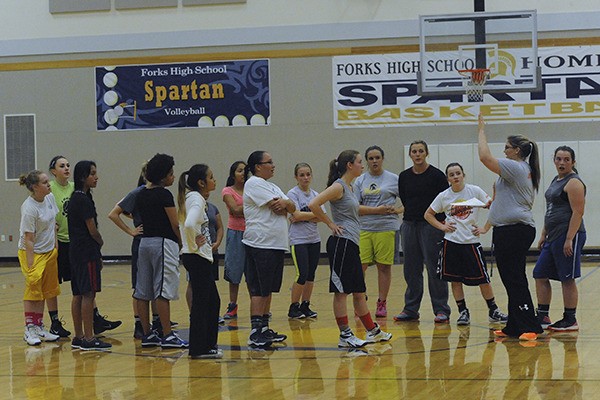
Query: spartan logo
507, 64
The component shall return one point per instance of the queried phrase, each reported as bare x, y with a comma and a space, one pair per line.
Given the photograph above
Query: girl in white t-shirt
38, 254
461, 260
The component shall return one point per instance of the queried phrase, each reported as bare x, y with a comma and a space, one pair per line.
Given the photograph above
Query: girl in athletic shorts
305, 243
235, 254
197, 257
37, 254
378, 231
347, 276
158, 258
561, 241
461, 260
85, 257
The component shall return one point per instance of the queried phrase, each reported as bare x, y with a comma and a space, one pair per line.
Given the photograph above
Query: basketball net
474, 82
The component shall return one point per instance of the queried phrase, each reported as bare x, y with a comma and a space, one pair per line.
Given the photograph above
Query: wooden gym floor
422, 361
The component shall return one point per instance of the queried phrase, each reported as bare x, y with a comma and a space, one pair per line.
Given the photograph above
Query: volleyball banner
199, 95
371, 91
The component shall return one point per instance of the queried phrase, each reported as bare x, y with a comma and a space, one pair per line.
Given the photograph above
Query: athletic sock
265, 320
342, 323
491, 303
256, 322
29, 318
97, 313
367, 321
53, 315
569, 314
543, 310
462, 305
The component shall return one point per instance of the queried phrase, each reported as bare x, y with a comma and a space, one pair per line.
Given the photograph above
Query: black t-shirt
83, 247
151, 204
417, 191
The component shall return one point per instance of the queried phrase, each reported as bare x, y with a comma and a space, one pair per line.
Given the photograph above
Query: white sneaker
351, 341
31, 336
44, 335
377, 335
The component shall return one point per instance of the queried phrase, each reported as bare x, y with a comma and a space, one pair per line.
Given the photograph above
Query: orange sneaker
500, 333
528, 336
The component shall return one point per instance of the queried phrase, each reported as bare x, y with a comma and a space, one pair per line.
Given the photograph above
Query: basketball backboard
503, 42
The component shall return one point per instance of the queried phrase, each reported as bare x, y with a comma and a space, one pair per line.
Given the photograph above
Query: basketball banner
210, 94
380, 90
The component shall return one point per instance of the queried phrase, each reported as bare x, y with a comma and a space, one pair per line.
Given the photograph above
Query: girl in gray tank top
342, 248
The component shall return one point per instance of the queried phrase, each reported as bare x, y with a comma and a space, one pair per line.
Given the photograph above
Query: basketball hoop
473, 82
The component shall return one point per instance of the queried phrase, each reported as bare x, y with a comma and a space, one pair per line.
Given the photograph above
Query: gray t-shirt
514, 194
39, 218
374, 191
344, 212
303, 232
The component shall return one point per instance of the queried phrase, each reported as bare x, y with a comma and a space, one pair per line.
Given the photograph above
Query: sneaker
349, 340
231, 313
381, 311
544, 321
101, 324
305, 307
44, 335
174, 324
212, 354
377, 335
173, 341
95, 345
464, 317
528, 336
157, 328
221, 320
441, 318
500, 333
405, 317
31, 336
258, 339
295, 312
151, 340
564, 326
138, 330
56, 328
497, 316
76, 343
273, 336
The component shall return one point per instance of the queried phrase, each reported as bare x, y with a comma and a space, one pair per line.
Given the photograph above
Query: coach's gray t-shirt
514, 194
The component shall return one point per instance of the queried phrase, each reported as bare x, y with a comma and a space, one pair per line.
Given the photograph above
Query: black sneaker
157, 328
273, 336
305, 308
138, 330
295, 312
56, 328
564, 325
151, 340
258, 339
76, 343
101, 324
95, 345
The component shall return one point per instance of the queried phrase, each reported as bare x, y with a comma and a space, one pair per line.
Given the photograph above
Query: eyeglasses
265, 162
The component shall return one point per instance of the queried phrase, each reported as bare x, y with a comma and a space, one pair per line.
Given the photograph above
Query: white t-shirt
39, 218
463, 218
264, 228
196, 223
